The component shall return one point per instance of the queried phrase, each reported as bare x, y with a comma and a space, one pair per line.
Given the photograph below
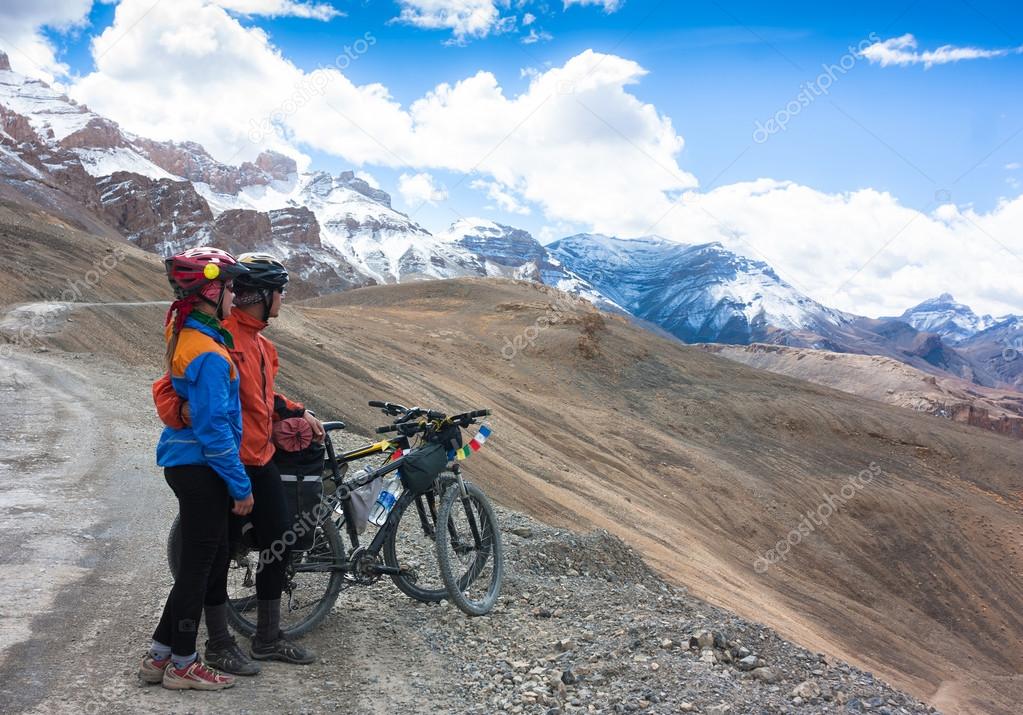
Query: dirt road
83, 517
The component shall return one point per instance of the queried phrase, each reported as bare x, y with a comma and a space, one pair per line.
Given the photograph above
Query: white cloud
568, 143
368, 178
465, 18
528, 19
418, 189
505, 200
902, 51
282, 8
575, 145
21, 24
608, 5
860, 251
534, 36
1013, 165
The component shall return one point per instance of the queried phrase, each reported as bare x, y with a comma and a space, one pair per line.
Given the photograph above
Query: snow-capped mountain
701, 293
165, 195
340, 231
955, 322
999, 348
509, 252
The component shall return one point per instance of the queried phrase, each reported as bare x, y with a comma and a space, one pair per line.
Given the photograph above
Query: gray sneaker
230, 658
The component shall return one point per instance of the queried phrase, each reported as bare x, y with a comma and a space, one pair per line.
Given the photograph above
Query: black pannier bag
302, 478
422, 466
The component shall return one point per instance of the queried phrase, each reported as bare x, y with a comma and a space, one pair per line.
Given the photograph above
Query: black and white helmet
266, 272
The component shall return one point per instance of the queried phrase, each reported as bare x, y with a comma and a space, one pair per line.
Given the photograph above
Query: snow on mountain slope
63, 123
52, 115
955, 322
104, 162
701, 293
999, 348
511, 252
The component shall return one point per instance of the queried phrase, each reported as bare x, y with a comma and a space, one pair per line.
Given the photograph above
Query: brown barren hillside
881, 378
703, 464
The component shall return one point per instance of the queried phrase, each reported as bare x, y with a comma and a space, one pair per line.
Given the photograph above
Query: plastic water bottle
385, 502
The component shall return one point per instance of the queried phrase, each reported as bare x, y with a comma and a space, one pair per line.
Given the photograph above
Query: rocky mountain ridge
340, 231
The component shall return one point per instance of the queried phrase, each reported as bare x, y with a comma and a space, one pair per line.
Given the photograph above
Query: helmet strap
220, 303
268, 301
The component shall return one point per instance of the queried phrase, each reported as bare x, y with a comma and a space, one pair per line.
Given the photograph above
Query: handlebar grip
386, 428
480, 413
377, 403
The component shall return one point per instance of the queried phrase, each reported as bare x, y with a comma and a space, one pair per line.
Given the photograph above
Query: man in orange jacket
257, 299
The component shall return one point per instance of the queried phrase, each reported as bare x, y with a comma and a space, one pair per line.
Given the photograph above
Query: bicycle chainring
365, 567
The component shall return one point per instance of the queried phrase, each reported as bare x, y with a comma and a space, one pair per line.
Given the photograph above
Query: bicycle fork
470, 515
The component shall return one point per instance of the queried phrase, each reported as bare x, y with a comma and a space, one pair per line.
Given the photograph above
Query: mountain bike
406, 550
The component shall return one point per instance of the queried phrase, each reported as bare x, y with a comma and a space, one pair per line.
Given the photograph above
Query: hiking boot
151, 670
195, 676
230, 658
281, 649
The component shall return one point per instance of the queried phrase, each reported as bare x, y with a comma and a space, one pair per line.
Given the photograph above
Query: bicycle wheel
311, 587
469, 549
413, 546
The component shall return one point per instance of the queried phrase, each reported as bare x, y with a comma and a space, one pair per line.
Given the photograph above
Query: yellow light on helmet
211, 271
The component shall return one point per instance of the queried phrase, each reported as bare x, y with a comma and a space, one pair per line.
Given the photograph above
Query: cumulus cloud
504, 199
418, 189
21, 36
465, 18
902, 51
608, 5
575, 145
282, 8
576, 142
860, 251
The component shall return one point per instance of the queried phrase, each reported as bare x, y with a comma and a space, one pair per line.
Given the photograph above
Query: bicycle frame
336, 461
427, 520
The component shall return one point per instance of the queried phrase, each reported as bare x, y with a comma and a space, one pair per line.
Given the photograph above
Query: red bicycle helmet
191, 271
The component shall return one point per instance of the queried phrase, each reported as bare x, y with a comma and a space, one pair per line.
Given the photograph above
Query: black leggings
204, 505
270, 520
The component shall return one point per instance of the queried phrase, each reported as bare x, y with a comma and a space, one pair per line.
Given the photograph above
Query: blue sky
944, 140
715, 68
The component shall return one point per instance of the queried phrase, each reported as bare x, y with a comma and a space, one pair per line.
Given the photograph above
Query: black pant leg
203, 505
271, 520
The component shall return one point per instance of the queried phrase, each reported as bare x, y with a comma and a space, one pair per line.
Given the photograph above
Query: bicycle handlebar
405, 416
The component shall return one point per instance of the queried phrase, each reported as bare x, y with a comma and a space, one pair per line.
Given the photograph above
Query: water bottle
388, 496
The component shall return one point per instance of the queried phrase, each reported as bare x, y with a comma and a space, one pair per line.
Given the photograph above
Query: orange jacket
257, 363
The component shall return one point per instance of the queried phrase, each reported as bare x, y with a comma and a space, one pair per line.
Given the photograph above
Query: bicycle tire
457, 577
409, 584
238, 607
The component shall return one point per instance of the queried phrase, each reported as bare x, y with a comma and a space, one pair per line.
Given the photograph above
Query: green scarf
211, 322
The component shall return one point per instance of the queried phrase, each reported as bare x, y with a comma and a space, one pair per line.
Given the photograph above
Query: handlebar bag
301, 475
421, 467
450, 437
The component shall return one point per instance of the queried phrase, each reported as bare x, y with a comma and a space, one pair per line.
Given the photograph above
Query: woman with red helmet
258, 297
201, 461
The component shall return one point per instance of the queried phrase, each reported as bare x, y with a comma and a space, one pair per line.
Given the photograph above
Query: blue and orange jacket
262, 406
202, 373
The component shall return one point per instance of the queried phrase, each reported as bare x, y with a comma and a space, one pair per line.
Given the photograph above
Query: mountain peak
5, 62
953, 321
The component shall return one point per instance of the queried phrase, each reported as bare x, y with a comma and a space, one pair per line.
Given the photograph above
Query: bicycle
316, 576
470, 546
